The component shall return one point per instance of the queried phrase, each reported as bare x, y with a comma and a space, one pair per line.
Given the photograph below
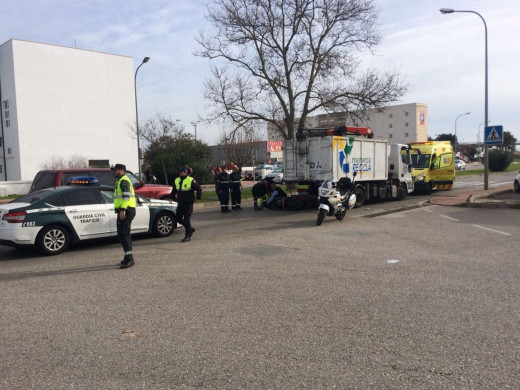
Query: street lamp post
467, 113
194, 124
486, 162
145, 59
478, 137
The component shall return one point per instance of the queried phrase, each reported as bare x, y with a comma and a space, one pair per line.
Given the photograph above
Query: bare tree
238, 146
159, 132
75, 161
287, 59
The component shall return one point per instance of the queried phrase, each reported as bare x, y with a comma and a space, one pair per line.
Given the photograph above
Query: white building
402, 123
61, 103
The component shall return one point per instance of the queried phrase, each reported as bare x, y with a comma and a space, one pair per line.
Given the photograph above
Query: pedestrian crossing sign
493, 135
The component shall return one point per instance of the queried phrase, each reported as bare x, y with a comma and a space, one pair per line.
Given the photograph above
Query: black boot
187, 237
127, 262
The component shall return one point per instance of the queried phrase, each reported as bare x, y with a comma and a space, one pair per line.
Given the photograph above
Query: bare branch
290, 58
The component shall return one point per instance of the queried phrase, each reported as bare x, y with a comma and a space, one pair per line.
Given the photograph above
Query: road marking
492, 230
392, 261
453, 219
476, 184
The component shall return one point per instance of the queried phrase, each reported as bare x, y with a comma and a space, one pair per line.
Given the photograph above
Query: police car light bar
83, 180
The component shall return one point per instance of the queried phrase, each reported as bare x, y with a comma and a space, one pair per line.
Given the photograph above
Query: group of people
184, 190
266, 195
227, 184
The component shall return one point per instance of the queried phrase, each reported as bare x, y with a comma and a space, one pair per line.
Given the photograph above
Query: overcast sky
441, 57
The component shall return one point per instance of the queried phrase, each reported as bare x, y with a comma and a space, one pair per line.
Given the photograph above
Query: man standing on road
236, 187
183, 190
124, 206
222, 186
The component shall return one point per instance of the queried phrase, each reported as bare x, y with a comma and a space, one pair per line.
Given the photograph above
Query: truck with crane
384, 171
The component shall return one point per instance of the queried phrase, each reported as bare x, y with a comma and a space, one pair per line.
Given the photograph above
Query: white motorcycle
336, 198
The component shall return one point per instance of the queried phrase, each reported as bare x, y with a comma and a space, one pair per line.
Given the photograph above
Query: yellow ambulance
433, 166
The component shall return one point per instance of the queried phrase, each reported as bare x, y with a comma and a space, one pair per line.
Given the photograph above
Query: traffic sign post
493, 135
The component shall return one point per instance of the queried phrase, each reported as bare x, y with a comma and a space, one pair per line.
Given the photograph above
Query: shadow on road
14, 276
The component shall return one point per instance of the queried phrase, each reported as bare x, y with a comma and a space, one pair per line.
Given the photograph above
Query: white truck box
333, 157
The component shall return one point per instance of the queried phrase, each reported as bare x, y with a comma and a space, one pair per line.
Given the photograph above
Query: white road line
453, 219
492, 230
480, 184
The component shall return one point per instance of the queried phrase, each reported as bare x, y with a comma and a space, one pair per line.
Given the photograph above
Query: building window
406, 135
390, 135
0, 141
406, 124
406, 113
9, 151
391, 115
391, 125
5, 106
1, 168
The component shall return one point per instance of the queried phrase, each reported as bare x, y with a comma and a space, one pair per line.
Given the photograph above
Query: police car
54, 218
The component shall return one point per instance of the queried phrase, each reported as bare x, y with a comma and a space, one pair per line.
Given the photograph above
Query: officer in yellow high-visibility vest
183, 191
124, 205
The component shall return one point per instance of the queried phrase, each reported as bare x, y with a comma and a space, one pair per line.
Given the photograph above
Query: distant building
403, 123
62, 102
265, 152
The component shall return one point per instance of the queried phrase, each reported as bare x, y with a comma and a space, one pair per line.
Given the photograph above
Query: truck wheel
53, 240
321, 216
517, 187
341, 215
164, 224
401, 192
429, 188
360, 197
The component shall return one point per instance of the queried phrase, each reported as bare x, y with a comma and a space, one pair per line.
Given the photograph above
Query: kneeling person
277, 198
260, 191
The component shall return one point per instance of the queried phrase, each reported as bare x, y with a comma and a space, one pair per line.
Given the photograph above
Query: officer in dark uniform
260, 191
183, 191
236, 188
223, 190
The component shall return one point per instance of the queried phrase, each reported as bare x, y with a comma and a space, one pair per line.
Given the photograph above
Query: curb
216, 204
481, 201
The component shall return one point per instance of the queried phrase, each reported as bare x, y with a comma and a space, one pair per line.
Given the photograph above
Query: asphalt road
426, 298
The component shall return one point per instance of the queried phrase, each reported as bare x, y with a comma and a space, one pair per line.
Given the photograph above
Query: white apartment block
61, 103
402, 123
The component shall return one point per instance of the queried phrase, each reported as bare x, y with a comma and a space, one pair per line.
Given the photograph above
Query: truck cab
433, 166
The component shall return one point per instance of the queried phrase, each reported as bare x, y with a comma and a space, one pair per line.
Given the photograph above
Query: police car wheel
164, 224
53, 240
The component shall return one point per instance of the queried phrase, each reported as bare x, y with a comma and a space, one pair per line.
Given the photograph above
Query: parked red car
59, 177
